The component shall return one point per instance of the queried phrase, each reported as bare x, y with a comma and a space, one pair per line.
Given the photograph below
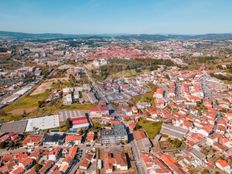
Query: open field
51, 83
147, 97
126, 73
170, 144
26, 102
151, 128
27, 107
77, 106
20, 108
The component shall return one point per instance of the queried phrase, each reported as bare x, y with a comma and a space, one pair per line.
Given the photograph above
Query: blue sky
116, 16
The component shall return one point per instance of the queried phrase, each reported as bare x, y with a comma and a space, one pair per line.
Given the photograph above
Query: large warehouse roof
47, 122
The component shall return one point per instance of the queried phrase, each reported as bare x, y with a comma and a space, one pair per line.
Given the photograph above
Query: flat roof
64, 115
47, 122
15, 126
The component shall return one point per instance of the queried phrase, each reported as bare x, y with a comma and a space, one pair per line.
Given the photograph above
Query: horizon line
190, 34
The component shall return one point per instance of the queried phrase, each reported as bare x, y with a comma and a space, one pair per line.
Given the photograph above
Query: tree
37, 167
137, 127
96, 126
40, 103
81, 132
3, 145
24, 114
68, 124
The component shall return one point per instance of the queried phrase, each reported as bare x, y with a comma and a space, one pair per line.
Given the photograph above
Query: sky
116, 16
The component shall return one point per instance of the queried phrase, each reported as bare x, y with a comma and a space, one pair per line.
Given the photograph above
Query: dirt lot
47, 84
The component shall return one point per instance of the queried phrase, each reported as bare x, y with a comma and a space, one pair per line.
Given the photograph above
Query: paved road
95, 86
139, 165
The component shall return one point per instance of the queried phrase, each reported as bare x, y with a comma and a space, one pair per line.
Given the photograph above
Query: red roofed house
72, 152
159, 93
99, 110
19, 170
76, 139
171, 163
223, 165
27, 163
139, 134
4, 169
32, 140
118, 161
90, 136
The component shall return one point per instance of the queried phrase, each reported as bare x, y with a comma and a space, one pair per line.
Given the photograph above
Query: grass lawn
126, 73
78, 106
59, 85
26, 102
147, 97
151, 128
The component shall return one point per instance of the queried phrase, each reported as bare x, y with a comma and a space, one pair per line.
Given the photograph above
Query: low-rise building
116, 135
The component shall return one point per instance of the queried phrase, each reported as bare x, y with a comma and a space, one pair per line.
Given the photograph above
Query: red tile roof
139, 134
222, 163
73, 138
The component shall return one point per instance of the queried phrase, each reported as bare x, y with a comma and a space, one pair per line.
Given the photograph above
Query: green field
28, 107
151, 128
59, 85
77, 106
147, 97
27, 102
23, 105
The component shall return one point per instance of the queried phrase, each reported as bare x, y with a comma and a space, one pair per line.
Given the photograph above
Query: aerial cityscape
77, 97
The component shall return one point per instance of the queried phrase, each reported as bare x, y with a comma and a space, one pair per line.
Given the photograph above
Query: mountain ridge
155, 37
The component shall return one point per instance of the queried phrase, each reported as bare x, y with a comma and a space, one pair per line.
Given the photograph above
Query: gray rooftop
118, 130
15, 126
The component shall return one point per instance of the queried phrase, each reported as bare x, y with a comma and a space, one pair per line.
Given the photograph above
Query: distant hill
154, 37
178, 37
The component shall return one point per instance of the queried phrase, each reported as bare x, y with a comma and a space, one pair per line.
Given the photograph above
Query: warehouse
41, 123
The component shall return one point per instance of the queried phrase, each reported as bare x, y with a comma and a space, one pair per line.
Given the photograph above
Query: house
142, 141
75, 139
32, 141
72, 152
99, 110
171, 162
121, 161
84, 164
46, 167
19, 170
223, 165
159, 93
90, 137
67, 99
86, 161
117, 161
65, 164
27, 163
53, 139
4, 169
116, 135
